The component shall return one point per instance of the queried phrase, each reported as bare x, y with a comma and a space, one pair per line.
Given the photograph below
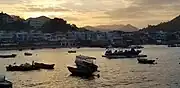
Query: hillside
125, 28
15, 23
170, 26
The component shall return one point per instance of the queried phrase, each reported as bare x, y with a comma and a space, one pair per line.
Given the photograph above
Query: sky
139, 13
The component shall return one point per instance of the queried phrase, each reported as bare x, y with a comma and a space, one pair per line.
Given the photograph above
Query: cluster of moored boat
128, 54
84, 65
14, 55
123, 54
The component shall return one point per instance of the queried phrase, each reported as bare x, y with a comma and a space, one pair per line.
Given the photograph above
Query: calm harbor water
114, 73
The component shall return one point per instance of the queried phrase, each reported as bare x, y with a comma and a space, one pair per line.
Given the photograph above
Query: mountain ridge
169, 26
114, 27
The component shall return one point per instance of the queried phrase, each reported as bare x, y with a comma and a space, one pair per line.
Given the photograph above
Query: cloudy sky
139, 13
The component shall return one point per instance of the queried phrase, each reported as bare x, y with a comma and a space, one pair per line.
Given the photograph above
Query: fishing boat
145, 61
71, 51
32, 48
5, 83
27, 54
22, 67
8, 56
123, 54
44, 66
85, 65
20, 49
79, 71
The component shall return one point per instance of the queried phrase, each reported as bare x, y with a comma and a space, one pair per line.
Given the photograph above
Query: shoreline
45, 47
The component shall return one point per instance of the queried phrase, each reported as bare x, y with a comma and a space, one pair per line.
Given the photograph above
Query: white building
37, 22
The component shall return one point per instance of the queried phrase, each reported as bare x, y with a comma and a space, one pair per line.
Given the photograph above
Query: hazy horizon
138, 13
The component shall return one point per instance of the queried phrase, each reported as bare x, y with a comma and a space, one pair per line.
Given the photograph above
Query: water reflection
114, 73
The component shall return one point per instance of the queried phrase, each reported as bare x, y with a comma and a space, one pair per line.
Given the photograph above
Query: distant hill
170, 26
58, 25
12, 23
42, 23
125, 28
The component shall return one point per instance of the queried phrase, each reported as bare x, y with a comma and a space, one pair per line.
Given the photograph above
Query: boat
84, 66
8, 56
79, 71
20, 49
22, 67
5, 83
136, 46
32, 48
53, 47
44, 66
72, 51
145, 61
86, 61
174, 45
123, 54
27, 54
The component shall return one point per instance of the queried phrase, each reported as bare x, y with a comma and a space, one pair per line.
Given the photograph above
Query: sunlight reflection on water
114, 73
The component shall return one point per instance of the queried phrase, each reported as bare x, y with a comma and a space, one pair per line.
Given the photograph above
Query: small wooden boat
27, 54
145, 61
44, 66
85, 66
5, 83
20, 49
79, 71
32, 48
72, 51
8, 56
22, 67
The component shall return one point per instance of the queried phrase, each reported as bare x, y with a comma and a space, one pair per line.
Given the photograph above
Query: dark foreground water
114, 73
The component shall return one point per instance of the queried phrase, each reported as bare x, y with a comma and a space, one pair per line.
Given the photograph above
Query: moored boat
123, 54
8, 56
174, 45
84, 66
79, 71
27, 54
72, 51
44, 66
22, 67
20, 49
145, 61
5, 83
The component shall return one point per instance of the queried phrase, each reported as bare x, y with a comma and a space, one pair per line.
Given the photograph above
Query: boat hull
122, 56
44, 66
79, 71
71, 51
21, 68
8, 56
145, 61
6, 84
28, 54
